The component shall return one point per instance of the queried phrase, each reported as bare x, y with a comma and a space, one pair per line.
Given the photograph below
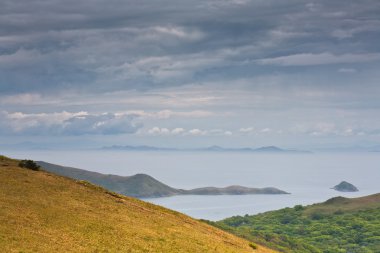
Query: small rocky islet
345, 187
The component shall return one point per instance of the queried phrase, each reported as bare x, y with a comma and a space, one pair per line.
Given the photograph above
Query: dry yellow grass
42, 212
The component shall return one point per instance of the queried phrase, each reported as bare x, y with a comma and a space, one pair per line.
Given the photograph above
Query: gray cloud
99, 46
319, 59
185, 66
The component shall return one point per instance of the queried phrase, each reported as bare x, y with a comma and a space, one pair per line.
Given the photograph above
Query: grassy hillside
43, 212
337, 225
145, 186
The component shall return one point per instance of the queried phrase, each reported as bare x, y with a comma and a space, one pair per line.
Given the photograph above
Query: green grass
337, 225
43, 212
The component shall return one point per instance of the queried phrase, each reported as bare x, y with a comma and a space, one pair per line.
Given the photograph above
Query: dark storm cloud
96, 46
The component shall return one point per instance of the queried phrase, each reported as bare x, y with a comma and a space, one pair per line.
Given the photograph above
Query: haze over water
308, 177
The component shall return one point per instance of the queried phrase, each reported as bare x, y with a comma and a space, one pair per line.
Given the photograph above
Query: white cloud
166, 114
154, 130
197, 132
331, 129
159, 131
67, 123
308, 59
180, 32
166, 131
218, 132
247, 130
266, 130
177, 131
348, 132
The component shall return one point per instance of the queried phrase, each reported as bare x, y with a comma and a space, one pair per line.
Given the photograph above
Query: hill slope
139, 185
43, 212
337, 225
145, 186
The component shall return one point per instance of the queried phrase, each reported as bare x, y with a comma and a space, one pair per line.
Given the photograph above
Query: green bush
29, 164
252, 245
317, 216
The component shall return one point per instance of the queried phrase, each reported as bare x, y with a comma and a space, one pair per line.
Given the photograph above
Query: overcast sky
190, 73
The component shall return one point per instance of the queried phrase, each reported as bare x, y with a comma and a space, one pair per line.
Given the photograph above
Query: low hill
139, 185
145, 186
233, 190
337, 225
44, 212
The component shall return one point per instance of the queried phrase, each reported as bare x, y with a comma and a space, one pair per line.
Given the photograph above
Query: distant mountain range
145, 186
349, 149
266, 149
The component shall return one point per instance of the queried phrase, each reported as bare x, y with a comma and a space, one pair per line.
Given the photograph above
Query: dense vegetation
338, 225
44, 212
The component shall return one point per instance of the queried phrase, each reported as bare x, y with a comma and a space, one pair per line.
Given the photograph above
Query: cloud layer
243, 71
101, 46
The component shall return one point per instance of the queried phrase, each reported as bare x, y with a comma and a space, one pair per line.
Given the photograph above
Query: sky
169, 73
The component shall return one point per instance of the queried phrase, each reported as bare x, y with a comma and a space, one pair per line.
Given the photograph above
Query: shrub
298, 208
317, 216
252, 245
29, 164
338, 212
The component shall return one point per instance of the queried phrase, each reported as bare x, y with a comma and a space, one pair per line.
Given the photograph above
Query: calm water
308, 177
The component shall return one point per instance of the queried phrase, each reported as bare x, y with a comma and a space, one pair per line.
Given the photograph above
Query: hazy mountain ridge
145, 186
215, 148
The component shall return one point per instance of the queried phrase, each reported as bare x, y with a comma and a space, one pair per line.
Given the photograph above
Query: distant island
265, 149
345, 187
145, 186
233, 190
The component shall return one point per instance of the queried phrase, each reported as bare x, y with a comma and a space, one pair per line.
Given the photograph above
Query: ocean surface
308, 177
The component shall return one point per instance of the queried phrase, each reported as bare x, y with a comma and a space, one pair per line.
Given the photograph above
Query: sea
307, 177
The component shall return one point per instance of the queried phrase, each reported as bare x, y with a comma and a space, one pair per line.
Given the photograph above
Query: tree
29, 164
